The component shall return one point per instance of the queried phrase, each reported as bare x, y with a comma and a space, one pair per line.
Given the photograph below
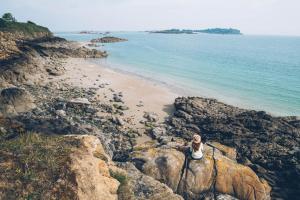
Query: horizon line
112, 31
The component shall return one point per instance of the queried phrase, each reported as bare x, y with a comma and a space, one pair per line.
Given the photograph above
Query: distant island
175, 31
108, 39
94, 32
223, 31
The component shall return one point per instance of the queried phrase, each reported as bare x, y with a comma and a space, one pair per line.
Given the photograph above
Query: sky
265, 17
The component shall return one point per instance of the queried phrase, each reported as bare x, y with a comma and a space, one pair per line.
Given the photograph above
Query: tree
8, 17
30, 22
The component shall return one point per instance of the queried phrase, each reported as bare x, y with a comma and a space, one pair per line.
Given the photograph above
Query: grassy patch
122, 178
35, 166
100, 155
124, 190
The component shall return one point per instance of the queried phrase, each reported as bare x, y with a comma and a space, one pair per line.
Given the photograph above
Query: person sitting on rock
192, 152
195, 151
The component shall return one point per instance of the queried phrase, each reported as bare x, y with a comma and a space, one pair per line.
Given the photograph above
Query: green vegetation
175, 31
8, 17
220, 31
35, 166
100, 155
9, 23
210, 31
119, 176
124, 190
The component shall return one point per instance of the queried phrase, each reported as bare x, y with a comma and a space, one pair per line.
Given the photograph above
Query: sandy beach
138, 94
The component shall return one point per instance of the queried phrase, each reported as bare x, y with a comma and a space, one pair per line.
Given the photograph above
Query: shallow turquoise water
257, 72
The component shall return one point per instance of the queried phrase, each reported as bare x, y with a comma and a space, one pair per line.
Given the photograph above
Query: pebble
2, 130
60, 113
80, 101
117, 98
151, 117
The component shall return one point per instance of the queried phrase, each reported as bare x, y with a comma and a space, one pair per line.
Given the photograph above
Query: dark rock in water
271, 144
108, 39
15, 100
93, 45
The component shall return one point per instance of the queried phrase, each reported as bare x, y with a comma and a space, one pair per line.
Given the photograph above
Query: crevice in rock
184, 168
181, 175
215, 174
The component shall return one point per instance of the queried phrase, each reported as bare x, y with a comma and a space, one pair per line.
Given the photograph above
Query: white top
198, 154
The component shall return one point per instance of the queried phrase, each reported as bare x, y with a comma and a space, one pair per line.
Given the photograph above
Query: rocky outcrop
90, 165
108, 39
7, 45
215, 174
15, 100
9, 40
143, 187
267, 144
97, 177
93, 45
22, 58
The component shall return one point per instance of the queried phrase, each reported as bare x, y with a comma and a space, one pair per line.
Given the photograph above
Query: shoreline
181, 91
140, 95
244, 94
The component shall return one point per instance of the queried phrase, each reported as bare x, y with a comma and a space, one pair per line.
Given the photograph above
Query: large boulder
97, 177
214, 174
15, 100
162, 164
143, 187
90, 165
267, 144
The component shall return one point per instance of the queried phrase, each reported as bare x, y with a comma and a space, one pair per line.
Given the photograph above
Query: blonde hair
196, 146
196, 142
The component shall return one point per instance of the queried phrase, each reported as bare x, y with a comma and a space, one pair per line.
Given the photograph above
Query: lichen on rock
214, 174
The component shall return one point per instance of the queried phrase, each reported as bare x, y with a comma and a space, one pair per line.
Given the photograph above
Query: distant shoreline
220, 31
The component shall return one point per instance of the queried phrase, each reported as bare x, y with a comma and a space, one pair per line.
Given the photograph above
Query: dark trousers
188, 158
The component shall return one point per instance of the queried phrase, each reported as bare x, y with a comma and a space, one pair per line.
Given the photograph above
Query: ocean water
255, 72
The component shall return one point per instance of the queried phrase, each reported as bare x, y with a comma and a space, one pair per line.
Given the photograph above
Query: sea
249, 71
